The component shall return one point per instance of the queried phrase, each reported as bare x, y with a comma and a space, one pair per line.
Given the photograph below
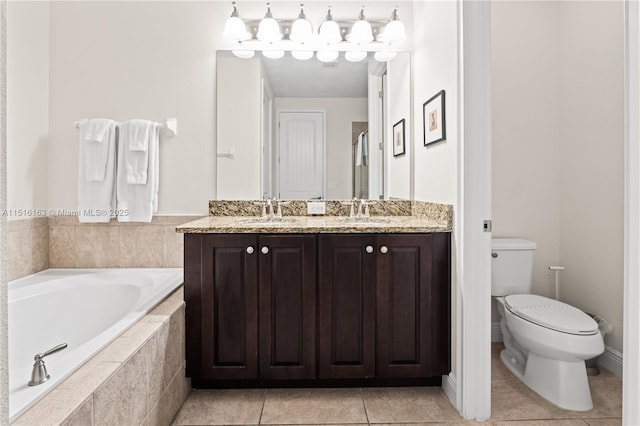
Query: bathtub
84, 308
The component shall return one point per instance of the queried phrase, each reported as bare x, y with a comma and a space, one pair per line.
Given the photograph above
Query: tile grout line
366, 415
264, 401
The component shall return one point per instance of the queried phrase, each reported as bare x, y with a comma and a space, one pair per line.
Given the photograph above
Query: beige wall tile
122, 399
96, 246
83, 416
170, 402
28, 246
140, 246
173, 245
53, 409
62, 241
165, 355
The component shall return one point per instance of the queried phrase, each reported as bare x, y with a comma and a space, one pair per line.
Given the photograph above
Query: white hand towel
97, 197
359, 150
95, 151
365, 149
139, 200
135, 135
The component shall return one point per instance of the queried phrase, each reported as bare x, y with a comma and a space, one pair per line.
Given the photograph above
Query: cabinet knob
384, 250
250, 250
264, 250
369, 249
494, 254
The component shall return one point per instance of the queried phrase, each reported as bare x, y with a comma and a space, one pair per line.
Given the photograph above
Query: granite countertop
312, 225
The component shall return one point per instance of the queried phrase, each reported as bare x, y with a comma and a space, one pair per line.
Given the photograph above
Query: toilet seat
551, 314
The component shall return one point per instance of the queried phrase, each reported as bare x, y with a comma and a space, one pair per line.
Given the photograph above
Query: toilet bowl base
563, 383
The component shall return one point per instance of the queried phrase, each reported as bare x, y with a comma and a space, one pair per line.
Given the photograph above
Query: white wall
526, 118
557, 88
340, 113
398, 108
592, 159
239, 115
435, 67
147, 60
27, 105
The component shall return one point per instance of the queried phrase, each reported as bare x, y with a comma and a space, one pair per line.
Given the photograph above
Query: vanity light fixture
394, 30
329, 31
327, 55
269, 30
361, 31
234, 27
302, 55
273, 54
384, 56
244, 54
301, 30
355, 55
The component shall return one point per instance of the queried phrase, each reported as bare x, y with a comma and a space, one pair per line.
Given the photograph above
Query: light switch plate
316, 207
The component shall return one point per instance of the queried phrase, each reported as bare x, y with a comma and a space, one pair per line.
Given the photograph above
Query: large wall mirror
295, 129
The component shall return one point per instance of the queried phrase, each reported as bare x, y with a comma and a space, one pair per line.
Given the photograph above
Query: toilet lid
551, 314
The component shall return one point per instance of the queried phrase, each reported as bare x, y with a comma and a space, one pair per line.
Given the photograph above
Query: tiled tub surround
115, 244
138, 379
28, 246
36, 244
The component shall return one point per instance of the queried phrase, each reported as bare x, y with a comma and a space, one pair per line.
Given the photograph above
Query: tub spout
39, 373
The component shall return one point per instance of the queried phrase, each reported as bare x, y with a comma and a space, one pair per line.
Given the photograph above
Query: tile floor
512, 404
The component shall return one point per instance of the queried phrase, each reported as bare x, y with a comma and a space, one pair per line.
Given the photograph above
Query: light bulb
244, 54
384, 56
269, 30
301, 30
327, 55
329, 31
234, 27
394, 30
361, 30
302, 55
273, 54
355, 55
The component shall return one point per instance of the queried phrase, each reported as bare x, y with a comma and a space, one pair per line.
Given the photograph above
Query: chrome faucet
39, 373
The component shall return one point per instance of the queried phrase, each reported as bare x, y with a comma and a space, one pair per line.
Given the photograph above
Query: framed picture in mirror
433, 119
398, 138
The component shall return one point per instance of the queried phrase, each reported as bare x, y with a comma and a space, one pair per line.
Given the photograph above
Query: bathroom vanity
316, 300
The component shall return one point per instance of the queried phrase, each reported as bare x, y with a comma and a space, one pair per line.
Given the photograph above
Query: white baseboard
611, 359
496, 332
450, 388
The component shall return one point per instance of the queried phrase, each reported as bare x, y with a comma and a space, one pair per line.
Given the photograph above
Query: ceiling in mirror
292, 78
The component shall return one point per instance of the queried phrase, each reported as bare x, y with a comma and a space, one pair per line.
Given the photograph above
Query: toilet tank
511, 266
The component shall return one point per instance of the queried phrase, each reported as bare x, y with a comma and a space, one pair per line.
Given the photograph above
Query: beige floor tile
606, 393
604, 422
313, 406
221, 407
513, 400
402, 405
498, 371
552, 422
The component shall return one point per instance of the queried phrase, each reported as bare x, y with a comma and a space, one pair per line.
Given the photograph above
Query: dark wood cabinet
282, 308
377, 313
346, 322
256, 301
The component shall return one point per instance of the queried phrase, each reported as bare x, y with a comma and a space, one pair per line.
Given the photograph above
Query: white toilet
546, 341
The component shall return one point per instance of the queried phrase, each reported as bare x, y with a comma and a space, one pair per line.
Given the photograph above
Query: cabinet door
403, 298
347, 306
229, 307
287, 279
